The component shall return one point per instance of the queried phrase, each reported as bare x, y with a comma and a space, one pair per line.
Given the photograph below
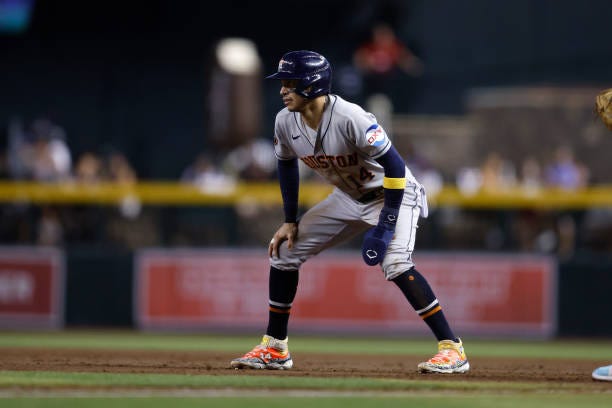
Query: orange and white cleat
450, 359
271, 354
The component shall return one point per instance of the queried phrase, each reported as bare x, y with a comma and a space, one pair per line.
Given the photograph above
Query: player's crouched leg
289, 260
273, 351
395, 264
451, 357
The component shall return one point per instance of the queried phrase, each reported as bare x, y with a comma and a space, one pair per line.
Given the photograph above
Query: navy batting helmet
310, 68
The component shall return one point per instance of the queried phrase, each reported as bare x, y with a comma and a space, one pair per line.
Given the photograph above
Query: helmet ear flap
306, 92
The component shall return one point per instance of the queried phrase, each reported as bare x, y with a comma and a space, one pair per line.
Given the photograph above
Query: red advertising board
481, 294
31, 287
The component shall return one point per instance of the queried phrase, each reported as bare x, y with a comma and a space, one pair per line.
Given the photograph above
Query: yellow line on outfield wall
179, 194
152, 193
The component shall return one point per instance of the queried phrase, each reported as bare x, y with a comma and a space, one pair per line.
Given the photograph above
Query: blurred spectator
565, 172
468, 180
86, 223
424, 170
253, 161
83, 223
379, 61
88, 168
531, 178
207, 176
381, 57
530, 227
494, 174
119, 169
200, 225
51, 159
129, 225
40, 152
497, 173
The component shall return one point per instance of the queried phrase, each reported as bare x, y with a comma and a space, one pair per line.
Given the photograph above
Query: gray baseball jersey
344, 151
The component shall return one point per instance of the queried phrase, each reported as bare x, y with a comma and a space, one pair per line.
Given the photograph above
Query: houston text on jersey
324, 161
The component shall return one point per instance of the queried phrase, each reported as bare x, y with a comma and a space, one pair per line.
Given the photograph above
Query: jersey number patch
364, 175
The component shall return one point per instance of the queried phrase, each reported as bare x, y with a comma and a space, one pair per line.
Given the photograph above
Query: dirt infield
305, 365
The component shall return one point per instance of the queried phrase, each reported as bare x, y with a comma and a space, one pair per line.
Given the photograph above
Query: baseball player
374, 193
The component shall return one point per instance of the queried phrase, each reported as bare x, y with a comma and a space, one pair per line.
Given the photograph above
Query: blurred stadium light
235, 113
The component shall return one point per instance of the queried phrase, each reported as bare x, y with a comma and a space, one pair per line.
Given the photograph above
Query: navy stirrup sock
421, 297
282, 289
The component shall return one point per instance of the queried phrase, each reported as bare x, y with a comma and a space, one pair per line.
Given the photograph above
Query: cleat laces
259, 352
444, 356
447, 354
266, 352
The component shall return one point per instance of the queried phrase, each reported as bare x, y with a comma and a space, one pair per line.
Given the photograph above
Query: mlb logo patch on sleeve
375, 135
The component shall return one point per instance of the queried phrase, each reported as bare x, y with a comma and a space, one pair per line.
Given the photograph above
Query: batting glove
377, 239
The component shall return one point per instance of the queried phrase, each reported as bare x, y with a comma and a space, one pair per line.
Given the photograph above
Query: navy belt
373, 195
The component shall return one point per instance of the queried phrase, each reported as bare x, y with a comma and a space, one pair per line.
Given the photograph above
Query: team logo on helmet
284, 66
375, 135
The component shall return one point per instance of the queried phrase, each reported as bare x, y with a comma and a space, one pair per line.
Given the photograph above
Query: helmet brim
283, 75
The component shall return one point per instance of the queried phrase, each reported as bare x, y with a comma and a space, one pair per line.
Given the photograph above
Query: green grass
257, 391
47, 379
128, 340
420, 401
97, 389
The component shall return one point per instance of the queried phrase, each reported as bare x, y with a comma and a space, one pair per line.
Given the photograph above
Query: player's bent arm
394, 181
377, 239
289, 180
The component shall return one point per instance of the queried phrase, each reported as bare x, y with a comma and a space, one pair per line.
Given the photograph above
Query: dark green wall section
585, 303
98, 288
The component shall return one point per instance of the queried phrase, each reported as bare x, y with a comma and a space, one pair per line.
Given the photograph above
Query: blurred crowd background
477, 95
